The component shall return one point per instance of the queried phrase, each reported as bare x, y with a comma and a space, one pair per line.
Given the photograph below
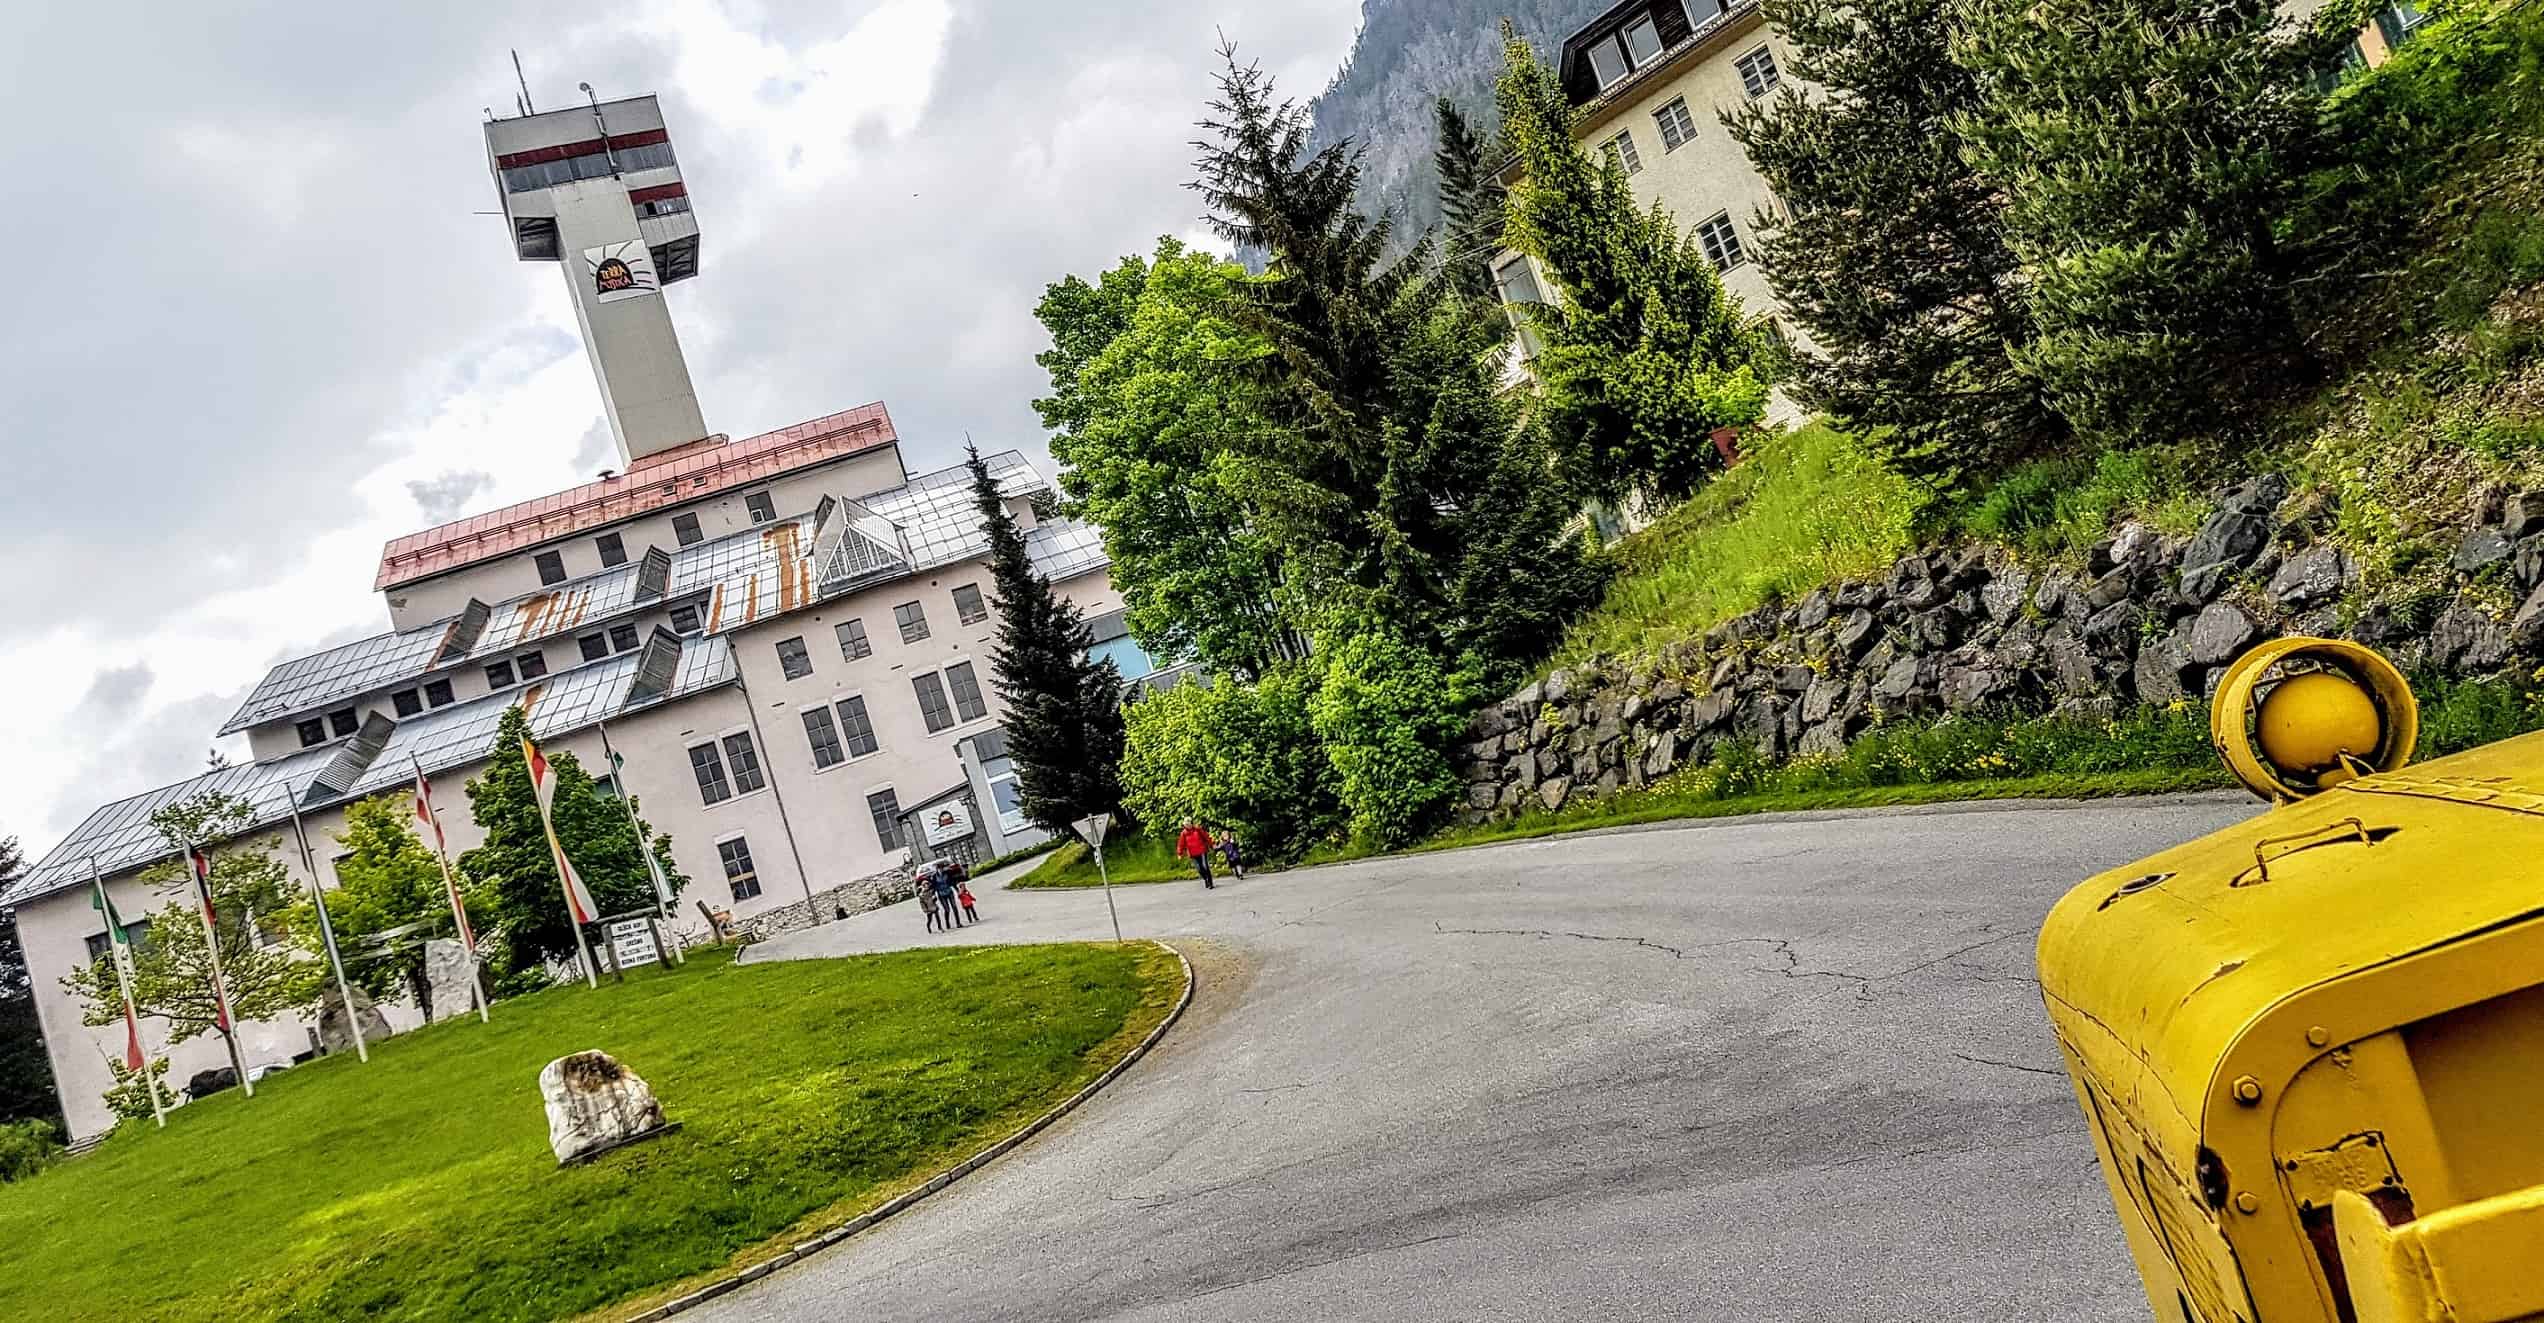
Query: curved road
1787, 1068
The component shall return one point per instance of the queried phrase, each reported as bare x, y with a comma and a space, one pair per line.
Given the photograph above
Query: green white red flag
199, 865
578, 899
119, 946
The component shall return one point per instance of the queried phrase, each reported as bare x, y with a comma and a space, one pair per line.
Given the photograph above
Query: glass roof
119, 836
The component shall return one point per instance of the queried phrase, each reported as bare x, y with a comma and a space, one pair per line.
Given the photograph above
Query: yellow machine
2310, 1048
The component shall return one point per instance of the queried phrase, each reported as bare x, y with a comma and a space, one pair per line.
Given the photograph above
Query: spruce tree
1470, 205
1394, 440
1888, 247
2148, 153
1063, 708
513, 872
1645, 356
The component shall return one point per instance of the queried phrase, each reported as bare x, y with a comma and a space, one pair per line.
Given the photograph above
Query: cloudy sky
258, 323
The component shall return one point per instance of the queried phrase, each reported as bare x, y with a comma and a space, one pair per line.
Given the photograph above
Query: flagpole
653, 866
116, 947
327, 934
199, 867
543, 789
450, 884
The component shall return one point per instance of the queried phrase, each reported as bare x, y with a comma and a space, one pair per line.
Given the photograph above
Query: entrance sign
949, 822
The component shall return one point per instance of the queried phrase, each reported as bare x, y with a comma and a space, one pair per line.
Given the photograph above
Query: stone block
2479, 550
595, 1104
1553, 792
2311, 577
2220, 633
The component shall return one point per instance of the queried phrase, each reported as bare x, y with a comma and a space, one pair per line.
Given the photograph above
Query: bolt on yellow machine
2310, 1048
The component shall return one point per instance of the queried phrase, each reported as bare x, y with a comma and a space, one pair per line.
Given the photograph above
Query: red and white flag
200, 864
578, 899
441, 850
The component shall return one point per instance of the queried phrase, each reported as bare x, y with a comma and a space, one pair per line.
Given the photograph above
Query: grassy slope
1129, 860
421, 1185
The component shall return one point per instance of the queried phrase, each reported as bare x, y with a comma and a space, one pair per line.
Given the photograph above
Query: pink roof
671, 477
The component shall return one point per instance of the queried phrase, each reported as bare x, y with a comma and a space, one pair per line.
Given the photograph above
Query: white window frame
1683, 123
1006, 827
1620, 149
719, 843
1744, 66
1739, 250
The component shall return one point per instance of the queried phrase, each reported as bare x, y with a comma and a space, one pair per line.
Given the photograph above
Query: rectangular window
852, 640
1642, 41
407, 702
886, 808
1758, 73
136, 934
551, 566
1517, 281
623, 637
913, 621
823, 734
594, 646
613, 550
499, 675
745, 762
967, 692
531, 665
1678, 128
709, 769
437, 693
1010, 804
932, 705
735, 855
1721, 241
684, 619
342, 721
685, 528
761, 507
792, 659
853, 725
2398, 22
1607, 61
312, 732
968, 606
1621, 150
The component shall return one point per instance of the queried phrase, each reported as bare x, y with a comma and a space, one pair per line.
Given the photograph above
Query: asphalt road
1762, 1069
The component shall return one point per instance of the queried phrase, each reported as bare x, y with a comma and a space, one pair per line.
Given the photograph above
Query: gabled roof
671, 477
119, 836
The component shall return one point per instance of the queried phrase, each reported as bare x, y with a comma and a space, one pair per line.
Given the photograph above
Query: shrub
2461, 714
1387, 715
2052, 506
27, 1147
1232, 754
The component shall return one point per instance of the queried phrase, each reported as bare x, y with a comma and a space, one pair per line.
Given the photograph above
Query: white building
787, 635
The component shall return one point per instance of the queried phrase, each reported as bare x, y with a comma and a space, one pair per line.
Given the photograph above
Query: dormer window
312, 732
1635, 45
763, 509
343, 722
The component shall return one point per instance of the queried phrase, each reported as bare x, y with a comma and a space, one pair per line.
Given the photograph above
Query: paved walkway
1785, 1068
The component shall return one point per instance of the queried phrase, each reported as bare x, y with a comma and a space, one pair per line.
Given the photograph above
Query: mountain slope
1408, 53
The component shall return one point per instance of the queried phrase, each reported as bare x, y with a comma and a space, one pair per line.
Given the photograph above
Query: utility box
2310, 1048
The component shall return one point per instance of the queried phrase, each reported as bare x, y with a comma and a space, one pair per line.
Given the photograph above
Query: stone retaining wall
869, 893
2146, 619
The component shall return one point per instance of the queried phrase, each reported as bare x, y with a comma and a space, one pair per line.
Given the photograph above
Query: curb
958, 1171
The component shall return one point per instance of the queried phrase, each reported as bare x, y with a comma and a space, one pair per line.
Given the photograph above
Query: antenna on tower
526, 107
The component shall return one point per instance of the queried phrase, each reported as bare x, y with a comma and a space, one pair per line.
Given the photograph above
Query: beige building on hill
786, 636
1651, 81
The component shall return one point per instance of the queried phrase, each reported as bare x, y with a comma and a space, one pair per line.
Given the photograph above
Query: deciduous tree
1148, 425
253, 895
388, 880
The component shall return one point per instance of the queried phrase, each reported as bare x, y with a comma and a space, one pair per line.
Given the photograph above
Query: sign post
1091, 830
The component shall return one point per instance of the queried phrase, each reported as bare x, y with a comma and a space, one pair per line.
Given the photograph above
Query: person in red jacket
1194, 844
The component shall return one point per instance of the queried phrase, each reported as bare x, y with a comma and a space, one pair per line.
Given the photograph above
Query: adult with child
943, 879
1195, 844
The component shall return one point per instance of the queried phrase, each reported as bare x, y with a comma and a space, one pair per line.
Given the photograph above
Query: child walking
963, 893
927, 901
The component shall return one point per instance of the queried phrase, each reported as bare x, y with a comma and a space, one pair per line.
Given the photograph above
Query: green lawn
1132, 859
421, 1185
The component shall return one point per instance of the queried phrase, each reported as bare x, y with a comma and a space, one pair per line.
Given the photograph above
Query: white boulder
595, 1104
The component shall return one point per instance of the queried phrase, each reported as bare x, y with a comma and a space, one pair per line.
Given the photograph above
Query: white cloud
267, 320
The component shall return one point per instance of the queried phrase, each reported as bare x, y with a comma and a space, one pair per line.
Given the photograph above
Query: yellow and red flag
578, 899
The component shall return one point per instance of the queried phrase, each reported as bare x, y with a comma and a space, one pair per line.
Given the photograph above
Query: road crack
1672, 952
2010, 1065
